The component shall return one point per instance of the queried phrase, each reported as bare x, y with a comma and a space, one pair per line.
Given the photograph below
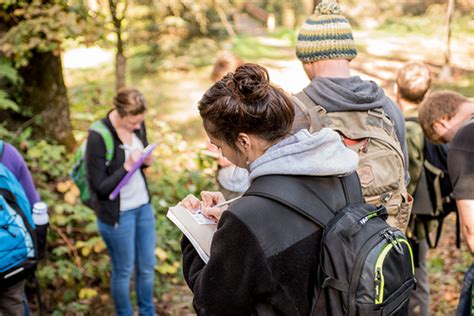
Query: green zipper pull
378, 283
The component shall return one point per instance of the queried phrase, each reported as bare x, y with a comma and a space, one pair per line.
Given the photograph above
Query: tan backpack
371, 134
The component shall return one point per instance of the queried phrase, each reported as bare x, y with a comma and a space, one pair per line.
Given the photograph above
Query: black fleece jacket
264, 255
103, 179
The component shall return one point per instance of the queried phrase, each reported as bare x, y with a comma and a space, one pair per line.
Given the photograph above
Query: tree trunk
44, 94
120, 60
288, 14
446, 72
120, 64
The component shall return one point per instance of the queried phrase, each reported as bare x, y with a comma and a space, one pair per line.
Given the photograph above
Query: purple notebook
146, 152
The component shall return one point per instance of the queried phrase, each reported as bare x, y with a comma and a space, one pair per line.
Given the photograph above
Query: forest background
61, 62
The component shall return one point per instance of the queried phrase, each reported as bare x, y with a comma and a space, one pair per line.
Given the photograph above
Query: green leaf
8, 72
7, 104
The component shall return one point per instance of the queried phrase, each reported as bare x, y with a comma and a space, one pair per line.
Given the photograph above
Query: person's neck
406, 105
338, 68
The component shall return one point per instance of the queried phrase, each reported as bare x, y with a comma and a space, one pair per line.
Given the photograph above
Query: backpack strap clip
377, 117
335, 284
316, 113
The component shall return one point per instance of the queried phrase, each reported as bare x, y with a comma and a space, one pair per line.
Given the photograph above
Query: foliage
10, 81
42, 25
174, 34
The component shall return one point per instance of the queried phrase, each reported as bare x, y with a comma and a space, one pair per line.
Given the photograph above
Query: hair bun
251, 82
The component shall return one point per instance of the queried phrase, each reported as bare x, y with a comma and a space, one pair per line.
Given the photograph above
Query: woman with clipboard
126, 223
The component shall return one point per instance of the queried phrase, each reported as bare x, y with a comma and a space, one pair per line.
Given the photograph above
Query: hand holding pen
212, 204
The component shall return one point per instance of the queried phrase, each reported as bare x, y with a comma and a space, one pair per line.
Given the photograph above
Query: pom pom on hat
326, 34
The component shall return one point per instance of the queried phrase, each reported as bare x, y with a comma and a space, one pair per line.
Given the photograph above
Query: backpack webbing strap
439, 230
99, 127
335, 284
437, 184
315, 112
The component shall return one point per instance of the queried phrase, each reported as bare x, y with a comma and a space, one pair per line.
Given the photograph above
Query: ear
441, 126
309, 70
243, 142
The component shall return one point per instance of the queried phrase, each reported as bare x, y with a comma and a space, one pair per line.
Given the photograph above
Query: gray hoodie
318, 154
355, 94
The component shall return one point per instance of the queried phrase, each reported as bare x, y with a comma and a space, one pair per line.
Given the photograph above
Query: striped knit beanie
326, 34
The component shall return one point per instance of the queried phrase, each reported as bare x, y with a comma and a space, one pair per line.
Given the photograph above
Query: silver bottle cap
40, 207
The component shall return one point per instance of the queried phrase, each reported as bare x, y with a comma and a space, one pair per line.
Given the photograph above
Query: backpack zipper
379, 278
356, 272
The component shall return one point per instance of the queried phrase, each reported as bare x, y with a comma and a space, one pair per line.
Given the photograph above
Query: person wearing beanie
325, 48
325, 35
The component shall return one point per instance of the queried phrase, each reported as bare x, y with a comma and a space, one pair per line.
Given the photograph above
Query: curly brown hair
246, 102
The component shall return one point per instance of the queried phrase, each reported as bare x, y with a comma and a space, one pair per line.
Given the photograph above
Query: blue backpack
18, 255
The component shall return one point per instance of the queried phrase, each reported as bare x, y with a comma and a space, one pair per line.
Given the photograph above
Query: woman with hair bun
264, 255
127, 223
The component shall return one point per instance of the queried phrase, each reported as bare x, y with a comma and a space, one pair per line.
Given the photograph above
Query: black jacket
264, 256
103, 179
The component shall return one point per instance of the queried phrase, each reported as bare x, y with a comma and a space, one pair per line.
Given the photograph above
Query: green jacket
415, 144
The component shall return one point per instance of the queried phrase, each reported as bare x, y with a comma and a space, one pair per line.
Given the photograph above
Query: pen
221, 204
227, 202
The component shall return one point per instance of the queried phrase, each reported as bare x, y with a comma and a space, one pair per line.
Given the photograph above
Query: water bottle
40, 213
41, 220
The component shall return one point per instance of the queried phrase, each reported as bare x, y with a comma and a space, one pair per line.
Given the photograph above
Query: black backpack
366, 266
433, 196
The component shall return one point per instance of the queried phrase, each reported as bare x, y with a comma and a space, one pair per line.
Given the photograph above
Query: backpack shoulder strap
100, 128
276, 188
315, 112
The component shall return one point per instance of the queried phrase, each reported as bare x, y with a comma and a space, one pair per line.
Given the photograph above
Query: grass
250, 48
429, 24
463, 84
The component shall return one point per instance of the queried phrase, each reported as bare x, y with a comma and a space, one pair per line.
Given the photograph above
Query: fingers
213, 212
191, 202
149, 160
210, 199
135, 155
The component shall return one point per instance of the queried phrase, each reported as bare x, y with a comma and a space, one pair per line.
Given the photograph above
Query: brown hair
413, 81
129, 101
246, 101
225, 63
438, 105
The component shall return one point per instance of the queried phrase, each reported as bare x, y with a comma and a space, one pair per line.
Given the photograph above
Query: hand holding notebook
196, 227
138, 163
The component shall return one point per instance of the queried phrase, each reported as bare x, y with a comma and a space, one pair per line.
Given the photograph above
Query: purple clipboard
146, 152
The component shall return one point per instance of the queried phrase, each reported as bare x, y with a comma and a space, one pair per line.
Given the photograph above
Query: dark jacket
264, 256
103, 179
